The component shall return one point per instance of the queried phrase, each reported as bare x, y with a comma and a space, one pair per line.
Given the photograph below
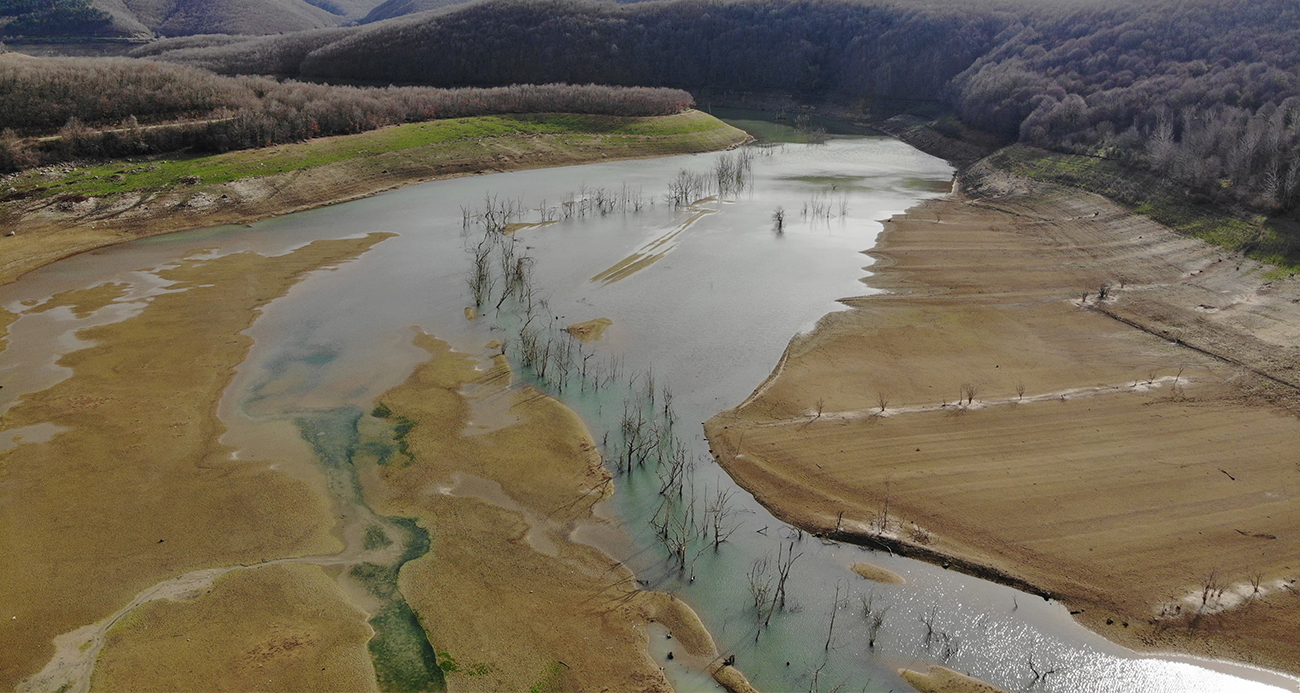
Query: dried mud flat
158, 562
504, 589
137, 489
1131, 454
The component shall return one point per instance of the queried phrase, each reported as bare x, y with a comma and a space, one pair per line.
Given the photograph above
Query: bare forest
1203, 92
105, 108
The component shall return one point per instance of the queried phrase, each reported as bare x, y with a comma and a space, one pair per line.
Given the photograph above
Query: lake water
710, 318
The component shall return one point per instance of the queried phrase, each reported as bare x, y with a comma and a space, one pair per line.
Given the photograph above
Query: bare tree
927, 619
760, 583
784, 562
721, 517
835, 610
883, 525
1177, 389
1039, 675
875, 618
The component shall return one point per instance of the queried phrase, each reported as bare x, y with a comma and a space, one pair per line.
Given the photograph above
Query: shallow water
711, 318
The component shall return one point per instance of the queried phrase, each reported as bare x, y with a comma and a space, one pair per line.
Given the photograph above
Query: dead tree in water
835, 609
784, 562
928, 620
687, 188
875, 618
480, 278
760, 583
722, 517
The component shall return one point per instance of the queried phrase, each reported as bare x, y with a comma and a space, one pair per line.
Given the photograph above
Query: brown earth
944, 680
503, 589
273, 628
877, 574
138, 489
1131, 455
6, 319
82, 302
589, 331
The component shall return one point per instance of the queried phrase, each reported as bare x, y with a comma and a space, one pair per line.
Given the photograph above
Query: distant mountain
398, 8
53, 18
1202, 92
249, 17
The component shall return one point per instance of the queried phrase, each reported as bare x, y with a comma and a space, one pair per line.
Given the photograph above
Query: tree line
46, 18
1200, 91
104, 108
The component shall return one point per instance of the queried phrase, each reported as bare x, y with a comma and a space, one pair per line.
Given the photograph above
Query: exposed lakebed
710, 317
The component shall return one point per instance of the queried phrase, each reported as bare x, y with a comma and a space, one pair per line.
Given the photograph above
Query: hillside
246, 17
1205, 93
55, 19
400, 8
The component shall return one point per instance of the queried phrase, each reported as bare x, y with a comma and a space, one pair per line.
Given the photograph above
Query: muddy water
711, 316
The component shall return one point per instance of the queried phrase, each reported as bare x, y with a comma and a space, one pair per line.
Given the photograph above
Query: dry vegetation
1080, 402
118, 107
73, 20
1203, 93
282, 627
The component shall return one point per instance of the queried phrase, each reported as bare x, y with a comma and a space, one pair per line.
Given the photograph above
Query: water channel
710, 318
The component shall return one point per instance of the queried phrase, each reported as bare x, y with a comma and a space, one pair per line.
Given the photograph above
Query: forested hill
1200, 90
399, 8
73, 19
50, 18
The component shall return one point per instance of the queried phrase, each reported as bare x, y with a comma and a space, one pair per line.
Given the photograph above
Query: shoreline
495, 554
121, 420
784, 482
42, 230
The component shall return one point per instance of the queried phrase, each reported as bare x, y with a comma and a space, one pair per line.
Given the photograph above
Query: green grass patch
376, 539
1274, 241
122, 177
403, 658
552, 680
450, 665
767, 126
400, 430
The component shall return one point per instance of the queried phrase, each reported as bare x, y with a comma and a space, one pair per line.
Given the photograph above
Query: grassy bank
59, 211
1274, 241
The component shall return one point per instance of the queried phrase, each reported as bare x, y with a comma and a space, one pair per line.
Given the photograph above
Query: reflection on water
712, 318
